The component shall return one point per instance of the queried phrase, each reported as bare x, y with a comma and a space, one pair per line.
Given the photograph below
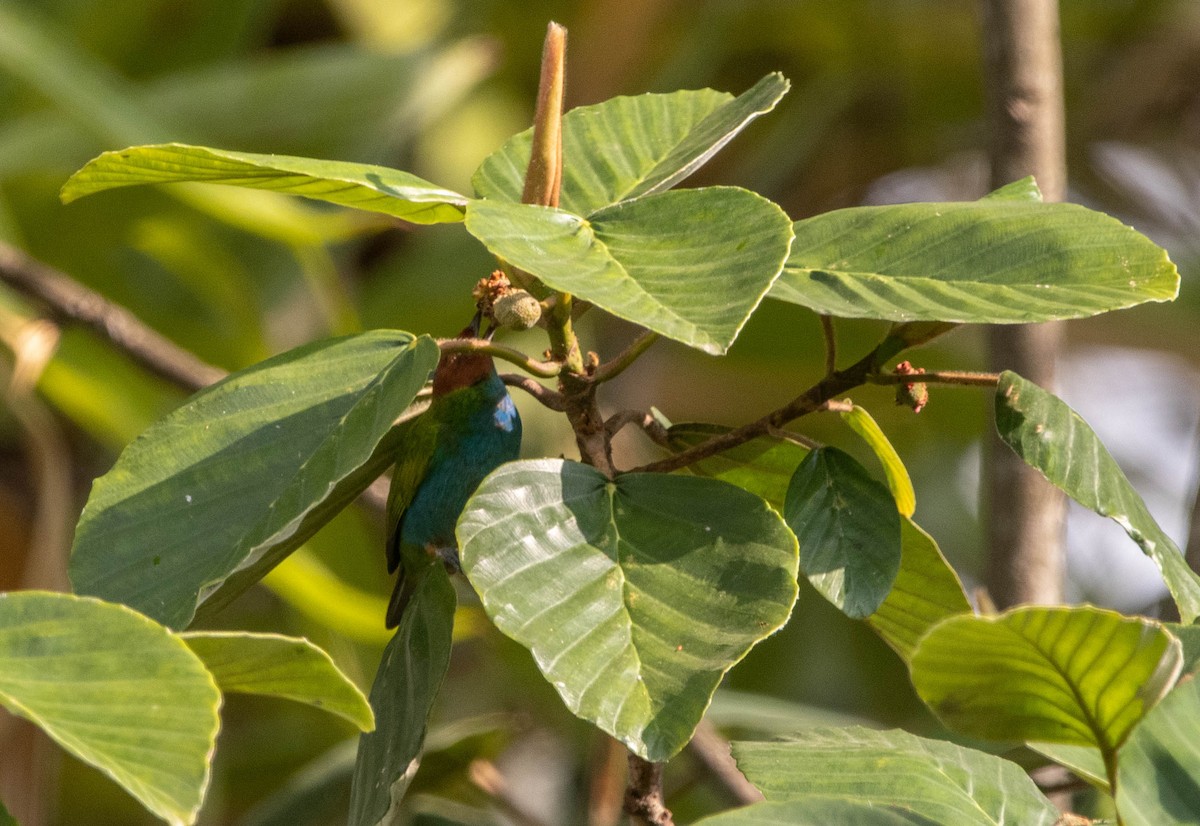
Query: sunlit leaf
362, 186
1055, 440
849, 530
690, 264
278, 666
1158, 780
634, 595
414, 665
114, 689
627, 147
816, 811
925, 592
220, 490
934, 781
1080, 676
861, 422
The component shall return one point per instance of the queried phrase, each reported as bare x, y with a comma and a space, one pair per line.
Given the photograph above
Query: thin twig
611, 369
642, 419
712, 750
71, 301
830, 344
549, 398
544, 369
644, 796
940, 377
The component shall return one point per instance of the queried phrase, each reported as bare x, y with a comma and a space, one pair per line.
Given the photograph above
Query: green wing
417, 441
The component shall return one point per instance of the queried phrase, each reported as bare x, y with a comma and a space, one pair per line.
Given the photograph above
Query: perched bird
470, 429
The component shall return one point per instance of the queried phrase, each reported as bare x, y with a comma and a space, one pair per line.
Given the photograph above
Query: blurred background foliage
886, 106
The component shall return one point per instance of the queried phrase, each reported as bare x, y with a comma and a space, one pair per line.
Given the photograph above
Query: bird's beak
475, 322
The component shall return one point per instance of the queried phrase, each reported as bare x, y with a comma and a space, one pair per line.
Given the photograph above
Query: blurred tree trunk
1023, 76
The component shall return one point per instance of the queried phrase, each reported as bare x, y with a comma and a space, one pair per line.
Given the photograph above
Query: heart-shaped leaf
278, 666
996, 260
1160, 763
114, 689
1055, 440
634, 595
926, 591
691, 265
849, 530
628, 147
763, 466
362, 186
220, 490
1080, 676
414, 665
940, 782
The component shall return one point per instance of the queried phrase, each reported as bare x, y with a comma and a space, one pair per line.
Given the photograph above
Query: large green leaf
1158, 781
231, 482
691, 264
849, 530
996, 260
817, 811
948, 784
362, 186
278, 666
5, 818
628, 147
862, 423
1055, 440
1080, 676
763, 466
925, 592
635, 595
414, 665
116, 690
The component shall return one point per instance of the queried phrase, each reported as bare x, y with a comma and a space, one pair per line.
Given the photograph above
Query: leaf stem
543, 369
611, 369
961, 377
830, 344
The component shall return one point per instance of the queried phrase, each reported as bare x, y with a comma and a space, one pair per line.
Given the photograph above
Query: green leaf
849, 530
628, 147
816, 811
1080, 676
414, 665
1158, 782
227, 485
1189, 638
635, 595
6, 819
925, 592
1055, 440
278, 666
691, 265
861, 422
763, 466
362, 186
1084, 761
114, 689
998, 260
1025, 189
945, 783
772, 716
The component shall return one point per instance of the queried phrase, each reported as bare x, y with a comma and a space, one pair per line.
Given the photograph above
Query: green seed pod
517, 310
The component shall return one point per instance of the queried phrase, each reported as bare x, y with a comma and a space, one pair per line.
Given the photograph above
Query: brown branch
830, 344
70, 301
611, 369
938, 377
549, 398
544, 369
812, 399
712, 750
644, 798
647, 422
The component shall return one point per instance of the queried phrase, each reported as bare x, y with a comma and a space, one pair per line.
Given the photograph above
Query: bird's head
458, 371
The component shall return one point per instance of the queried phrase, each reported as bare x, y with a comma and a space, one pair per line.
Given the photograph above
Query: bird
470, 429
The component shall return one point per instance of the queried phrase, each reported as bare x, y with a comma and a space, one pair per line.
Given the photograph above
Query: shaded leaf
1055, 440
628, 147
114, 689
1158, 780
277, 666
849, 530
771, 715
997, 260
945, 783
228, 484
635, 595
1080, 676
925, 592
1085, 761
817, 811
5, 818
362, 186
861, 422
314, 795
414, 665
691, 264
763, 466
